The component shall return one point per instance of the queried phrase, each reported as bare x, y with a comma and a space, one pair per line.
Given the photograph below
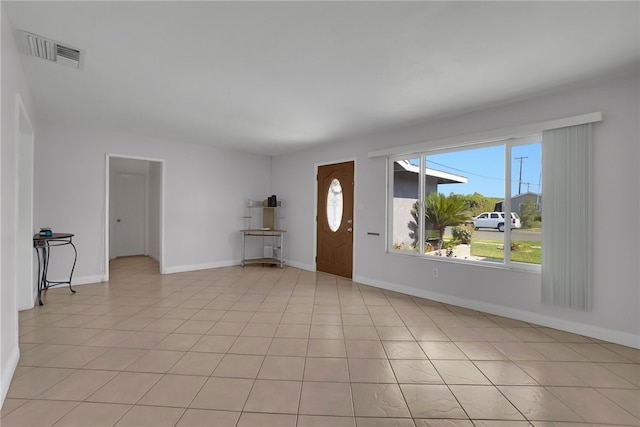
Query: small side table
42, 245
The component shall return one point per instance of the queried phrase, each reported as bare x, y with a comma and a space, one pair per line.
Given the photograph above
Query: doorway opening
134, 209
334, 225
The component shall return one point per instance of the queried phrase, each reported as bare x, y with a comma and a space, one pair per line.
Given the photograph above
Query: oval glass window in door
334, 205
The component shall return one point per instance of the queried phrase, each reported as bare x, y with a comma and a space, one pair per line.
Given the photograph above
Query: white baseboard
6, 372
605, 334
195, 267
301, 266
87, 280
80, 280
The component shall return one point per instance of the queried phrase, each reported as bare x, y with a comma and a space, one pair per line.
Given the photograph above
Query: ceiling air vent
41, 47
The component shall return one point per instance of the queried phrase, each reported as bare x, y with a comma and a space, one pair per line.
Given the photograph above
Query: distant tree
528, 213
443, 211
478, 203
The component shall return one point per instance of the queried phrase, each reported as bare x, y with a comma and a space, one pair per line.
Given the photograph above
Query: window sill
513, 266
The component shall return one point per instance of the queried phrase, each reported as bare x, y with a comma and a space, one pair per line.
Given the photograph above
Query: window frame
508, 144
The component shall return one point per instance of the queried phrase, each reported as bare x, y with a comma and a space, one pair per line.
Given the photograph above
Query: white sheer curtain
567, 217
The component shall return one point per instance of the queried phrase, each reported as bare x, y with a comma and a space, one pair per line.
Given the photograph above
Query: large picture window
453, 203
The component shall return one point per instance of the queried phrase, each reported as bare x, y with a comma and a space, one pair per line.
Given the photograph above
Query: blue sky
484, 169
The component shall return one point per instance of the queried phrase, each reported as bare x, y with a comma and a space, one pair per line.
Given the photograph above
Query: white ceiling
270, 77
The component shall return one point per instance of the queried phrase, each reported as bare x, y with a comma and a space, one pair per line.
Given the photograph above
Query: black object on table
42, 245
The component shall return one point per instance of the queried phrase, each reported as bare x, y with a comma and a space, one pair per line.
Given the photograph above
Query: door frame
107, 208
317, 214
24, 134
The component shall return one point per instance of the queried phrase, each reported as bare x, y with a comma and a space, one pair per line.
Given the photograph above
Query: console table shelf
263, 233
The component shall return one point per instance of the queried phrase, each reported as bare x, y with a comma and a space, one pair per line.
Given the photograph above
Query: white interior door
129, 208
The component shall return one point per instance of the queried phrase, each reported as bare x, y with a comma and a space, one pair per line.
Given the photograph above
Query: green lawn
528, 251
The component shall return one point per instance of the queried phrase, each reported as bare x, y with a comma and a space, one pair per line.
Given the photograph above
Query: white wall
26, 270
205, 192
615, 315
13, 82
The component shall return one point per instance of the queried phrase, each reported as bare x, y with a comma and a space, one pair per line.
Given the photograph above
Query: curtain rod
489, 136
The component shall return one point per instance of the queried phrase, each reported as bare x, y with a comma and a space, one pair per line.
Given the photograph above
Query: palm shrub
444, 211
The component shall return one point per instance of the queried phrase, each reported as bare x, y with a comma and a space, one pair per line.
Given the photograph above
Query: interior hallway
265, 347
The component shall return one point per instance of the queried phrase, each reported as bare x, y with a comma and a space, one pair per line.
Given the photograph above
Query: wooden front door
335, 219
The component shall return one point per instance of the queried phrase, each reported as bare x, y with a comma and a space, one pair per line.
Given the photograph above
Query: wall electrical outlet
435, 272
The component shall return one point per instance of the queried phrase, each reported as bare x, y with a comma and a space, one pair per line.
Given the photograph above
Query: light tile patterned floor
266, 347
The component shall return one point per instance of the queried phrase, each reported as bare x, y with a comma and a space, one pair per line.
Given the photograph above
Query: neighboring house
405, 194
517, 201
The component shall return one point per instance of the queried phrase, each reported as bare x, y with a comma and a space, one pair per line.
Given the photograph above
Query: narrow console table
43, 245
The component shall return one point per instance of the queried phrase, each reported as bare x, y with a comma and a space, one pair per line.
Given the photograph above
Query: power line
466, 172
529, 184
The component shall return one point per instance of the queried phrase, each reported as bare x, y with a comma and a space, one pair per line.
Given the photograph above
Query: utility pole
520, 177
